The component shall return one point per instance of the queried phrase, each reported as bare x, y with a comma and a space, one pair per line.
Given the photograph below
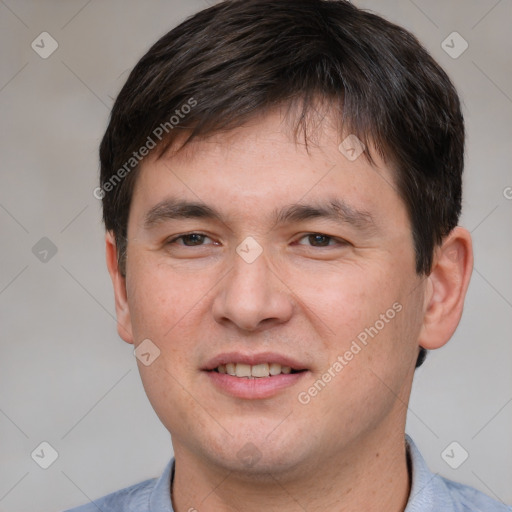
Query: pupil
194, 239
321, 240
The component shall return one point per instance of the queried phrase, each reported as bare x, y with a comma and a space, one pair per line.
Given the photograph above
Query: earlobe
446, 289
124, 326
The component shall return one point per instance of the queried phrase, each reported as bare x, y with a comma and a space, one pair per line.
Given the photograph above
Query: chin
257, 457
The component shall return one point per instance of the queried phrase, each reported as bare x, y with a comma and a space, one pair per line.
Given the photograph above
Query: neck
370, 474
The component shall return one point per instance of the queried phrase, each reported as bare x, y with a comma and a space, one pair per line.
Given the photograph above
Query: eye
321, 240
190, 240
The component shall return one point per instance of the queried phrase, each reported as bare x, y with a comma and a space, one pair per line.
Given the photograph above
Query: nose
252, 296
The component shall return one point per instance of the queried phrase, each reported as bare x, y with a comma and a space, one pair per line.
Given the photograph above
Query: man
281, 186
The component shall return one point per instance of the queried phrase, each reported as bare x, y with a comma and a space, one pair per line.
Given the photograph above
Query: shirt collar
426, 487
160, 498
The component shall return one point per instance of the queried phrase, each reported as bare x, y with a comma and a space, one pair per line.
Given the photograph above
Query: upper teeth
255, 370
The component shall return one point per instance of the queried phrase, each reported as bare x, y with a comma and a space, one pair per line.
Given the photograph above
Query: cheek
159, 300
349, 297
368, 316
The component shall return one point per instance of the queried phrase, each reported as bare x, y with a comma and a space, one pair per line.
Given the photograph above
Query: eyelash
331, 238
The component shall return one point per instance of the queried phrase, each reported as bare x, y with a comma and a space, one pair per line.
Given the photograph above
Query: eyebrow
334, 209
171, 209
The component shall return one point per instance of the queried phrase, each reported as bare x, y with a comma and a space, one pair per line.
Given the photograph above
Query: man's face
287, 259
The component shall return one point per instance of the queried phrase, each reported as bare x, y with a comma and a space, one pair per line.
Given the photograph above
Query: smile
258, 371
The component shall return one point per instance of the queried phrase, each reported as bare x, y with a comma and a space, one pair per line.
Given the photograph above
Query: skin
344, 450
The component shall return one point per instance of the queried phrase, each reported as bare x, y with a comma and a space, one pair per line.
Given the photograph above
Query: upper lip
253, 359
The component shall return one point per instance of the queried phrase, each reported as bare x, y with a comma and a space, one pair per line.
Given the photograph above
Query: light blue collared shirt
429, 493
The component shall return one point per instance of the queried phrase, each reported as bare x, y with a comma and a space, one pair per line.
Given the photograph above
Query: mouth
253, 376
255, 371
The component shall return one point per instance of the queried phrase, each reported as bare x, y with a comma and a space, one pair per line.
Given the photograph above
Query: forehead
262, 164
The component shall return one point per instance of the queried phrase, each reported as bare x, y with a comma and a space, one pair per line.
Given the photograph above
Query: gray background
65, 376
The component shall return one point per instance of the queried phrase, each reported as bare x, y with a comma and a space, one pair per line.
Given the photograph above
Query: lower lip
255, 388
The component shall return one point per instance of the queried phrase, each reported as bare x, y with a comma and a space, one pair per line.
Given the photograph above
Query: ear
124, 325
446, 289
